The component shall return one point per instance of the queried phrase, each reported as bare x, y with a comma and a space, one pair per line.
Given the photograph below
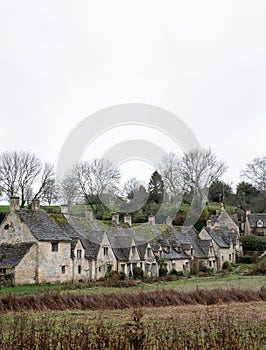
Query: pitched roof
12, 254
253, 219
42, 226
225, 220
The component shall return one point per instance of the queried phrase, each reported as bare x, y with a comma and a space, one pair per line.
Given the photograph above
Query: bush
253, 243
138, 273
122, 276
245, 259
163, 271
225, 265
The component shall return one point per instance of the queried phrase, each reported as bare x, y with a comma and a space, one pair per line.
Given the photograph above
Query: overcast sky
205, 61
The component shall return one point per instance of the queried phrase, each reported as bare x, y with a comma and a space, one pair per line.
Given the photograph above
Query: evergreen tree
156, 188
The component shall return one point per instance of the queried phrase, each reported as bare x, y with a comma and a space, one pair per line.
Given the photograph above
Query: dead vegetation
190, 327
56, 301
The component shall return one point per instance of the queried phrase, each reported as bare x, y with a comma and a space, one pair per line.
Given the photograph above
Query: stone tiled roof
12, 254
42, 226
221, 237
254, 218
225, 220
121, 246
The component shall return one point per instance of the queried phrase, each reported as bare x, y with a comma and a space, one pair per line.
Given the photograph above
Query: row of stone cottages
36, 247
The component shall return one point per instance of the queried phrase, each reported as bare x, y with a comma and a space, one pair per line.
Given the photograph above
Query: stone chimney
168, 221
209, 224
64, 209
89, 215
115, 218
151, 219
35, 204
128, 220
14, 203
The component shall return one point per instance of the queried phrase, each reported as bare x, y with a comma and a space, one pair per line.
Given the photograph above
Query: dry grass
121, 300
234, 326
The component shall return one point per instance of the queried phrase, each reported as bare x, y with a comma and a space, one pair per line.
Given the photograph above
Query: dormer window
79, 253
133, 249
166, 249
259, 223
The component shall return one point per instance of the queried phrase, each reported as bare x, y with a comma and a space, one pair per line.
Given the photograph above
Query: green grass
185, 284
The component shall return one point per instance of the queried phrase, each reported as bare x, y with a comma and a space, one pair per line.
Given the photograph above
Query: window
149, 252
105, 250
79, 253
230, 257
63, 269
54, 247
79, 269
6, 227
2, 271
133, 249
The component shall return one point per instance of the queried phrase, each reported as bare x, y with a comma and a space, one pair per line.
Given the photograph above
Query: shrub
138, 273
253, 243
225, 265
122, 276
163, 271
245, 259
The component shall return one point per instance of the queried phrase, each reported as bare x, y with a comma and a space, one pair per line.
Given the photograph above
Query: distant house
18, 263
225, 244
255, 224
224, 220
48, 256
36, 247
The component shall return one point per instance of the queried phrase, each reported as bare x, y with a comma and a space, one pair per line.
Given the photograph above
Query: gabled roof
220, 237
225, 220
12, 254
42, 226
253, 220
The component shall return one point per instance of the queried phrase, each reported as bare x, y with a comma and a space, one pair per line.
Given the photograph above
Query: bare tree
256, 173
97, 179
68, 187
22, 174
193, 172
18, 172
199, 169
170, 169
130, 188
47, 186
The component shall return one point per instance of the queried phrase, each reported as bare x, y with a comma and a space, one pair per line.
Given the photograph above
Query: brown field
209, 319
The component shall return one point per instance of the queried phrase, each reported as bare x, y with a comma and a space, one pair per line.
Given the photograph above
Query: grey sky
202, 60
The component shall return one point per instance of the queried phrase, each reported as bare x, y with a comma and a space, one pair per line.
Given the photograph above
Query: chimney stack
169, 221
209, 224
35, 204
151, 219
89, 215
128, 220
14, 203
64, 209
115, 218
